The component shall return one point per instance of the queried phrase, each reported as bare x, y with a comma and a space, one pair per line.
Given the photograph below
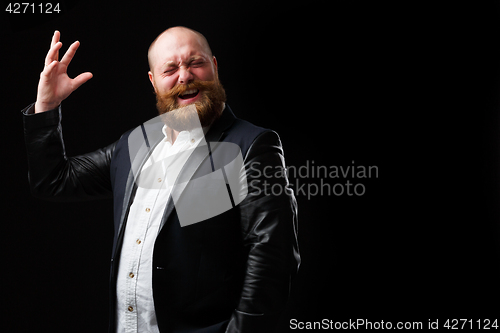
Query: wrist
42, 107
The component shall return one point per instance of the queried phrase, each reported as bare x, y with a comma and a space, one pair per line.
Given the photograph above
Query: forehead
177, 47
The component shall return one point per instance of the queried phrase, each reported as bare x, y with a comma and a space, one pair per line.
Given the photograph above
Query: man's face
182, 73
180, 58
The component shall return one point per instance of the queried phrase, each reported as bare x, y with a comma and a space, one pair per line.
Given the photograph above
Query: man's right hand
55, 84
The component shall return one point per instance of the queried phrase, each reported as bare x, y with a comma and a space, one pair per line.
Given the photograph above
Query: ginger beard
182, 117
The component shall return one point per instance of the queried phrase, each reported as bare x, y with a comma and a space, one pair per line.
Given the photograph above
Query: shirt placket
134, 264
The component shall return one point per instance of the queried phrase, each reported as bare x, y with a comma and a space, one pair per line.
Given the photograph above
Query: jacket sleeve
269, 228
54, 176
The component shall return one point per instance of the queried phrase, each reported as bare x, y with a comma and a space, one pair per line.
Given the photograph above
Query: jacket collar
217, 129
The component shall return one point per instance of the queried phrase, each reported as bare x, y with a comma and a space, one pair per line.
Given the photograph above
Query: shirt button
147, 210
159, 180
130, 308
131, 275
192, 140
138, 241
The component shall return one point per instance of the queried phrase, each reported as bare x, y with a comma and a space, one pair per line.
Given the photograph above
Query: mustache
179, 89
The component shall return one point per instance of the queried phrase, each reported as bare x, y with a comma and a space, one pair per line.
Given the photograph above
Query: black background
412, 89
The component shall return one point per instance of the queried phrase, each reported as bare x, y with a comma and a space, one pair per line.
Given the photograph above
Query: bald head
172, 37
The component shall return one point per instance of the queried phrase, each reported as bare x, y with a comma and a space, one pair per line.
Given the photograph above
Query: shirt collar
196, 134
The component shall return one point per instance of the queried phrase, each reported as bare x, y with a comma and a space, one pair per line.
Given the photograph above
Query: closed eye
197, 63
170, 70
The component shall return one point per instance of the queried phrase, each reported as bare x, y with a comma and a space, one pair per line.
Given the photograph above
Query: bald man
202, 243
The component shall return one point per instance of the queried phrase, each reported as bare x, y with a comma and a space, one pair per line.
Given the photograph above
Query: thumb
81, 79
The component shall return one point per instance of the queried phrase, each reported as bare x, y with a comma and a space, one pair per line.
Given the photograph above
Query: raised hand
55, 85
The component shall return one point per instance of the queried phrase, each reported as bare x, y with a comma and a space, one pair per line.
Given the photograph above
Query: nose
185, 76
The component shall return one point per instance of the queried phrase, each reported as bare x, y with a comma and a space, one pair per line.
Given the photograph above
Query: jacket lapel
141, 142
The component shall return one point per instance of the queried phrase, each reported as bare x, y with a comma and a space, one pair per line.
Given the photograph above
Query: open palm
55, 85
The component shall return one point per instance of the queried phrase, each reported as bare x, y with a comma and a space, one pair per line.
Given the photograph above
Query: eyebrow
167, 64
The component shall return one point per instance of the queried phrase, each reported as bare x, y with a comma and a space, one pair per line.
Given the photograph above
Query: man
201, 243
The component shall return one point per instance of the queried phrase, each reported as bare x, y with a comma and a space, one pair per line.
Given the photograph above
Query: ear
151, 78
215, 62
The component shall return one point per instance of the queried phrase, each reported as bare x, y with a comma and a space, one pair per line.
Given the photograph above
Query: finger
81, 79
53, 54
68, 56
55, 38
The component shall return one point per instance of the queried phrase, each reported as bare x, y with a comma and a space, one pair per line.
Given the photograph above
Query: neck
173, 134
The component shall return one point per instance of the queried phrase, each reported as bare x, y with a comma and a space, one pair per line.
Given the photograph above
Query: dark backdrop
410, 89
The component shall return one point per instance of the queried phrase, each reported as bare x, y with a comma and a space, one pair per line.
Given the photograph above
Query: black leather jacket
229, 273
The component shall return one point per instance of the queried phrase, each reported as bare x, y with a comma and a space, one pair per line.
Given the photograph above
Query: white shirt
135, 307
